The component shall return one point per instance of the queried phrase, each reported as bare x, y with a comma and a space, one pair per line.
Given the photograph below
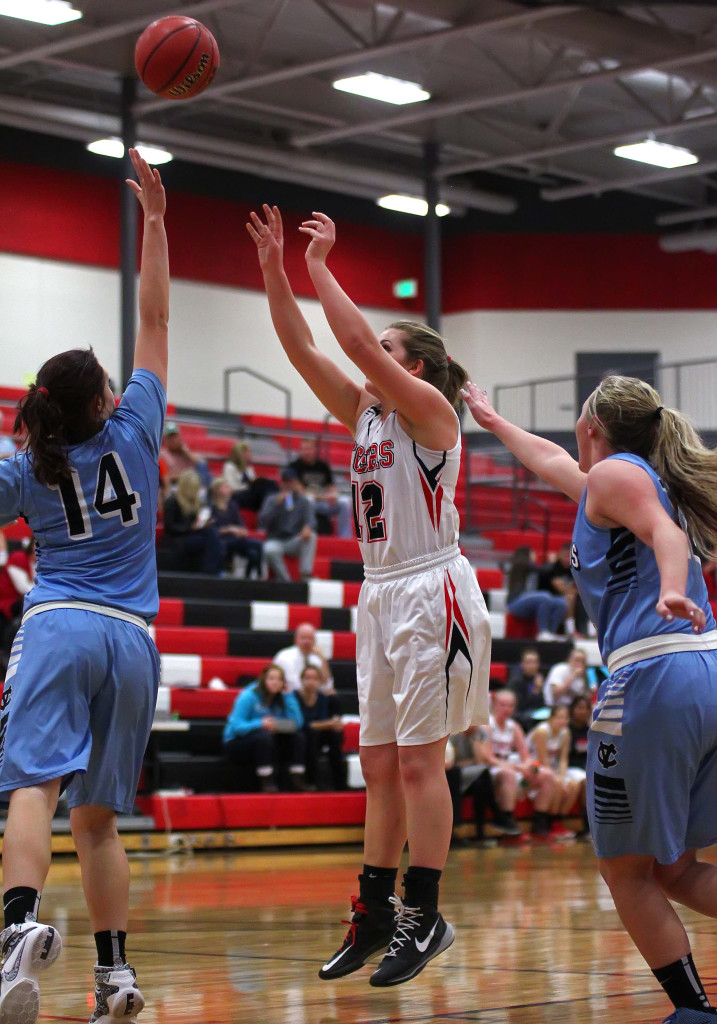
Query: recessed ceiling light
45, 12
383, 87
659, 154
411, 204
115, 148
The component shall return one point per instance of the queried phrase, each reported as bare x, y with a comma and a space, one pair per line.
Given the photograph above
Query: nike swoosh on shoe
423, 946
330, 964
10, 975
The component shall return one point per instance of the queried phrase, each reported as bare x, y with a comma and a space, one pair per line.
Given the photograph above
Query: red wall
63, 215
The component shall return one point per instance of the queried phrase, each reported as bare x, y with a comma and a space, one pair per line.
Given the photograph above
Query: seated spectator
581, 716
467, 776
188, 529
317, 480
232, 529
248, 489
290, 523
323, 728
526, 600
265, 731
549, 745
526, 682
17, 578
557, 577
567, 679
502, 746
178, 457
304, 651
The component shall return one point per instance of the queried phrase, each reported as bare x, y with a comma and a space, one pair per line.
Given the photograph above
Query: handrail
266, 380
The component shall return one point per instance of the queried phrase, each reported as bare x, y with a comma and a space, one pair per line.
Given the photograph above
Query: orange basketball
176, 57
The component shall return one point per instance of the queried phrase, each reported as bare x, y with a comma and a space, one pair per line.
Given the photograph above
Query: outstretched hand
674, 605
150, 190
478, 404
269, 237
322, 232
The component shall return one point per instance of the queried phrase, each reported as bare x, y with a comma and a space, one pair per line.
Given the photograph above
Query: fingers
253, 232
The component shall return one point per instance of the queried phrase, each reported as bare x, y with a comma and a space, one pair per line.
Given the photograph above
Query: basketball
176, 57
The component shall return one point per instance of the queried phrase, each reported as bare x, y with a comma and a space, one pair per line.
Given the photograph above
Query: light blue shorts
652, 758
78, 704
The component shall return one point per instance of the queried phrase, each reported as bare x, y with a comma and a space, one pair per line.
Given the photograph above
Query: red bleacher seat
499, 671
489, 579
191, 640
284, 810
520, 629
202, 703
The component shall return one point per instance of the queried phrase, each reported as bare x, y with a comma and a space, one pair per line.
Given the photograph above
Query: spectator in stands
526, 600
502, 746
305, 651
557, 577
290, 523
7, 446
179, 458
526, 682
567, 680
17, 578
248, 489
581, 715
188, 528
265, 731
232, 529
549, 745
332, 509
469, 776
323, 728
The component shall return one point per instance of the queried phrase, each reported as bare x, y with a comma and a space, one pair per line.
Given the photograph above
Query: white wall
48, 306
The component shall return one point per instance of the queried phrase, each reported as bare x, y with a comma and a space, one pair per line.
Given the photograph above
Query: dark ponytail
422, 342
59, 410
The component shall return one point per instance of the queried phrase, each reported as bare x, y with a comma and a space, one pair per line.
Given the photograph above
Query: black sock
18, 903
377, 884
421, 885
682, 984
110, 948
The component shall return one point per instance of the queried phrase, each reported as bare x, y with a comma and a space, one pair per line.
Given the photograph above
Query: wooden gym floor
238, 937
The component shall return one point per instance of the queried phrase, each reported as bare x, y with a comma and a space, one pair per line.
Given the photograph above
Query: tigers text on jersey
619, 581
96, 531
402, 493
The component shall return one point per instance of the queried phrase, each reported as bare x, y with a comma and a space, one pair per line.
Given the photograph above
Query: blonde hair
629, 414
238, 454
422, 342
189, 492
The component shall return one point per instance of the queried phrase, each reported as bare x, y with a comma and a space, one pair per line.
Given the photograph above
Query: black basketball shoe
420, 935
370, 930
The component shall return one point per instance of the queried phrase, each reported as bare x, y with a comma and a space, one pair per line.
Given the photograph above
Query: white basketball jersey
502, 738
402, 493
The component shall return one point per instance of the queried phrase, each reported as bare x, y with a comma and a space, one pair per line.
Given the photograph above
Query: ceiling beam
577, 146
370, 53
597, 188
333, 175
683, 216
100, 35
432, 110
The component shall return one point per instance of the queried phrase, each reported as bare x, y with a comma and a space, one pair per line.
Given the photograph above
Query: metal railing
550, 403
230, 370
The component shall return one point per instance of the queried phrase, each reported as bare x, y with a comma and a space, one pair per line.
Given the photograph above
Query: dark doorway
591, 367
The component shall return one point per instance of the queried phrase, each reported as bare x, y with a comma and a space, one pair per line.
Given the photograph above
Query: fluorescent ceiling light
383, 87
411, 204
115, 148
45, 12
660, 154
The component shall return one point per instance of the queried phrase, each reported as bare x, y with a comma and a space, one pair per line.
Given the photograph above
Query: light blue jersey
619, 581
96, 532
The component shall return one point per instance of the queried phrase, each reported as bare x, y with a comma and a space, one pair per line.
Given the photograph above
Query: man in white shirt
305, 651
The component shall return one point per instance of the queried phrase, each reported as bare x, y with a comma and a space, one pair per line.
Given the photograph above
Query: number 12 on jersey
368, 499
113, 497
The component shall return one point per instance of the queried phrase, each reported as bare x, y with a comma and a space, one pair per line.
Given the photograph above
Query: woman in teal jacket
264, 731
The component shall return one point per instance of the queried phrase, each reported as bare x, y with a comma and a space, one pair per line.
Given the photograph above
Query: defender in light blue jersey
81, 684
647, 493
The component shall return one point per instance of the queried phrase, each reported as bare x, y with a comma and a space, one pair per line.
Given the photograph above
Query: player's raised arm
343, 398
151, 347
416, 400
544, 458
